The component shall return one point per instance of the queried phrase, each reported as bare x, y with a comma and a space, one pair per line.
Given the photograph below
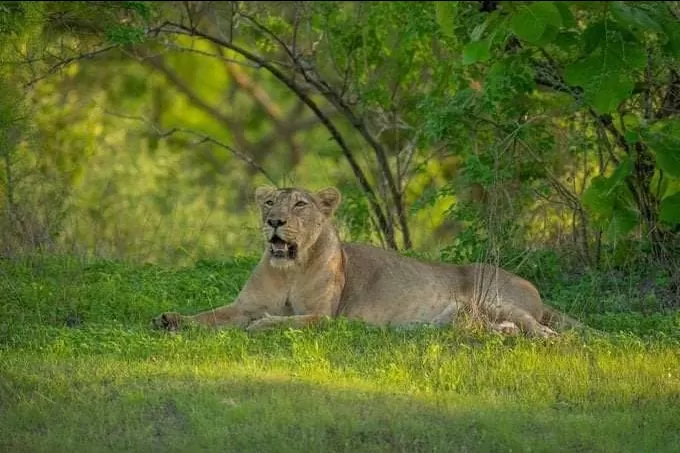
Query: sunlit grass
108, 383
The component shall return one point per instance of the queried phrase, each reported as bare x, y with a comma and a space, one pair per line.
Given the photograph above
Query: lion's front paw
265, 322
170, 321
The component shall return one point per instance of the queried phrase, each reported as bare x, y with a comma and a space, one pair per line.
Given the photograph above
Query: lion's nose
275, 223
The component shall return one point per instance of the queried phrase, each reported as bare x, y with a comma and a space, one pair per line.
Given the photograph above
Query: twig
86, 56
243, 157
648, 104
202, 139
296, 25
66, 62
174, 46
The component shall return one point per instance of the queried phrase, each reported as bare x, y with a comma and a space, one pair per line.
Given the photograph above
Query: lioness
307, 274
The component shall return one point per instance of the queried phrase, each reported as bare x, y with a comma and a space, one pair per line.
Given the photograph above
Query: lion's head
292, 220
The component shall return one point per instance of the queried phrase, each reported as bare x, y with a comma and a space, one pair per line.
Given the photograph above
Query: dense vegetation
455, 125
541, 136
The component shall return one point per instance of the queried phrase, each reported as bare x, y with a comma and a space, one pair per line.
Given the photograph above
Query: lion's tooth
279, 246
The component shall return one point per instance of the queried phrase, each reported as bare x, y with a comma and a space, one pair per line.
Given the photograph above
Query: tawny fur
327, 279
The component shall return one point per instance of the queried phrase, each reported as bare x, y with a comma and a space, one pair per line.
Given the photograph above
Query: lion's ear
330, 200
263, 192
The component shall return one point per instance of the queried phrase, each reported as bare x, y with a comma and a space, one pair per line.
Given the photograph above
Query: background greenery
139, 129
540, 136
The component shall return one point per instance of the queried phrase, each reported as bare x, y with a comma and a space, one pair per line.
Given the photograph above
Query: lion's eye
300, 203
269, 203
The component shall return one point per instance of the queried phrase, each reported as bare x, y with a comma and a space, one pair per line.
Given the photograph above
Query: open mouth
282, 249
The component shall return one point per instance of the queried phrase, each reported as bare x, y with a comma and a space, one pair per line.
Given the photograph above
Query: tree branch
268, 106
339, 103
158, 64
179, 48
284, 128
67, 61
385, 226
234, 127
202, 139
86, 56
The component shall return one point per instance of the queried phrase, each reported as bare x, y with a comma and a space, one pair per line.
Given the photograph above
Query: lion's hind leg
522, 319
505, 328
446, 316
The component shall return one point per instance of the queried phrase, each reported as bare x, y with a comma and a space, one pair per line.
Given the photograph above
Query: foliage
466, 130
616, 61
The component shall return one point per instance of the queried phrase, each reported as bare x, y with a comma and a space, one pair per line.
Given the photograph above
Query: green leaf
606, 75
547, 13
526, 28
622, 221
530, 22
568, 40
608, 198
631, 16
593, 35
594, 199
604, 193
619, 175
445, 13
631, 137
477, 51
664, 139
631, 122
603, 90
667, 149
548, 36
668, 160
478, 31
672, 32
567, 17
670, 209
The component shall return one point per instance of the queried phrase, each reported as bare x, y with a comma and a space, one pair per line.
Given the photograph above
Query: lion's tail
557, 320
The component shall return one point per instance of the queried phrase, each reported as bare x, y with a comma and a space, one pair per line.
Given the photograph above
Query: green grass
80, 371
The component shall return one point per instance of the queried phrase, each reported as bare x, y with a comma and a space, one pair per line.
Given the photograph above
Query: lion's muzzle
282, 249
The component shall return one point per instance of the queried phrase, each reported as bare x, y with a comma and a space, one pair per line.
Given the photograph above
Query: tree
611, 63
485, 115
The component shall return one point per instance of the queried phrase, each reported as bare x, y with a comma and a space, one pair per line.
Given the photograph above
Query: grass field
80, 371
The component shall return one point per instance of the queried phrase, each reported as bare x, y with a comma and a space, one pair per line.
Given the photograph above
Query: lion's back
387, 287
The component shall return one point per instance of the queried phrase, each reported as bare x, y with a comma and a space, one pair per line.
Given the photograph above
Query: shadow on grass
166, 411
